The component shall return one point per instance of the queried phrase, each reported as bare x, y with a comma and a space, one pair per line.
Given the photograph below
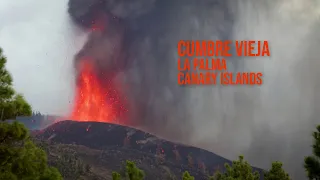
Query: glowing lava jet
94, 102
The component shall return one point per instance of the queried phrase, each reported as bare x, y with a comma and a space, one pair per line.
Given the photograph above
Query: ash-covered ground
114, 144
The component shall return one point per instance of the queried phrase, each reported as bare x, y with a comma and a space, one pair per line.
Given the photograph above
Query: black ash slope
110, 136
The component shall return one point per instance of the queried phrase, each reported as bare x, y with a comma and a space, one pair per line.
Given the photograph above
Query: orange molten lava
90, 103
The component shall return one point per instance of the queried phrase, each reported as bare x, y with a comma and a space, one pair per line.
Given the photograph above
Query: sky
39, 42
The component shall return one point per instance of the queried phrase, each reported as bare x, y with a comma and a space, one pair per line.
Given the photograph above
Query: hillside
37, 122
105, 147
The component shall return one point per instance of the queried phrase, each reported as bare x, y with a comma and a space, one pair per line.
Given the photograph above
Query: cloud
40, 42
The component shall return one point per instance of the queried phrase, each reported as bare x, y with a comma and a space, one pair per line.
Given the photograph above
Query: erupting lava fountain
94, 101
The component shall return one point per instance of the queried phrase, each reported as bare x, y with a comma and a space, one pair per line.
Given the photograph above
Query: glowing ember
97, 27
91, 98
99, 24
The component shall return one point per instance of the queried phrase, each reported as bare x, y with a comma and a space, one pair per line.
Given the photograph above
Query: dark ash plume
135, 45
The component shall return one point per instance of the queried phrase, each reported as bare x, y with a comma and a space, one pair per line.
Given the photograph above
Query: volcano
117, 143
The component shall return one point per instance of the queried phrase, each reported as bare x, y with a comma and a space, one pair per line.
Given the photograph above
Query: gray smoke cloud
137, 49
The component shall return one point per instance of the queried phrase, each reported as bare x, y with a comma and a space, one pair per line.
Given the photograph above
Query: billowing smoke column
132, 48
131, 52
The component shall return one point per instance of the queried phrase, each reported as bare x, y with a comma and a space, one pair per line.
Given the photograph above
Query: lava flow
94, 102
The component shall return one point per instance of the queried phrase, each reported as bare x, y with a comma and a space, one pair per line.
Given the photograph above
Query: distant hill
114, 144
38, 122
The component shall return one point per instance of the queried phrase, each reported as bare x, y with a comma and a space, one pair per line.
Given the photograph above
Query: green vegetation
20, 158
276, 172
132, 172
11, 103
187, 176
239, 169
116, 176
312, 163
66, 160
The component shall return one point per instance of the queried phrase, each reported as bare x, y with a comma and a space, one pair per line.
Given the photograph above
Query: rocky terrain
103, 148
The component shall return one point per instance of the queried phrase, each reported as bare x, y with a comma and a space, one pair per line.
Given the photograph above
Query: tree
187, 176
116, 176
11, 103
312, 163
19, 157
132, 172
239, 170
51, 173
276, 172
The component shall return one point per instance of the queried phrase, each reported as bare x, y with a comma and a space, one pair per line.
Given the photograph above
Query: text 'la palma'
191, 69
